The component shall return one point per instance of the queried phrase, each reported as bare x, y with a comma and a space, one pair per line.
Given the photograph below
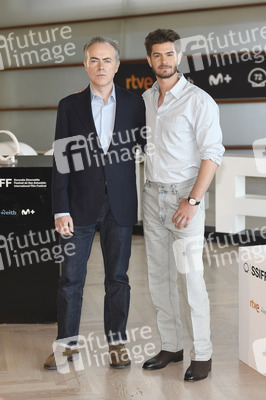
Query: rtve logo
254, 305
5, 182
139, 83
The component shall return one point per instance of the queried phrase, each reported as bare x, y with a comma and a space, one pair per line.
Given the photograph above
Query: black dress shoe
162, 359
198, 370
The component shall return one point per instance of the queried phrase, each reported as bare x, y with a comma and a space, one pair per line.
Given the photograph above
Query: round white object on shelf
7, 148
10, 158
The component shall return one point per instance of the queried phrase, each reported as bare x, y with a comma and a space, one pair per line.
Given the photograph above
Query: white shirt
104, 117
185, 130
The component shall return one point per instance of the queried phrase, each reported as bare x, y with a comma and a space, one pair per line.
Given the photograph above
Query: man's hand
64, 225
184, 214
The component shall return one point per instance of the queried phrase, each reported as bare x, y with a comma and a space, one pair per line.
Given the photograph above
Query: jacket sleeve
60, 176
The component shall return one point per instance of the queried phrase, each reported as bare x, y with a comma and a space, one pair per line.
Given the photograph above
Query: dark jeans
116, 249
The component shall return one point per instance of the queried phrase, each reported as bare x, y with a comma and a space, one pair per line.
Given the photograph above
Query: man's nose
100, 64
164, 59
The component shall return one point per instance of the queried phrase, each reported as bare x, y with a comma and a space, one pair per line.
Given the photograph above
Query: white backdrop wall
242, 123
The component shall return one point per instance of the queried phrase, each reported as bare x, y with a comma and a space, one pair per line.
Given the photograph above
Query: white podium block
252, 307
232, 202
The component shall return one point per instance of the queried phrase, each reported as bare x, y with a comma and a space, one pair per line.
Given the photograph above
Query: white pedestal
232, 202
252, 307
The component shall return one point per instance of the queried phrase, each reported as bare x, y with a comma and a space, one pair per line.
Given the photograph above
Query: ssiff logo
6, 182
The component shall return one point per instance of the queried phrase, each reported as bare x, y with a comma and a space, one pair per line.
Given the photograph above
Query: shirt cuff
58, 215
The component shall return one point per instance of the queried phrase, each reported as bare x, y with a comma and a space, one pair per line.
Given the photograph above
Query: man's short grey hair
102, 39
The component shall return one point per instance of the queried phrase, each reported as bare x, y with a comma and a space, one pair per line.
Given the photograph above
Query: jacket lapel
84, 111
121, 108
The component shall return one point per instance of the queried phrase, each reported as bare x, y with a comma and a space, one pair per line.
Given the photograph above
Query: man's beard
166, 76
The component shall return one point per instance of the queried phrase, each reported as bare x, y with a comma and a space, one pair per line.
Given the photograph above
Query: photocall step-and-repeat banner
30, 253
223, 76
252, 307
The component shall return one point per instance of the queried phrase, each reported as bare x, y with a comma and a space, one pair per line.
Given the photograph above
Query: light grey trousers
170, 250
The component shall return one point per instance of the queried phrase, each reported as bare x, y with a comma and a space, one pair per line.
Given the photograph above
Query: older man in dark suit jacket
94, 186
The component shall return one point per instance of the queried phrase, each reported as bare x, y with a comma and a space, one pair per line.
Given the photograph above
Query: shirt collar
177, 89
111, 99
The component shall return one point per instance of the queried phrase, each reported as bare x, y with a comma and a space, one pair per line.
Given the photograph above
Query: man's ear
179, 57
149, 61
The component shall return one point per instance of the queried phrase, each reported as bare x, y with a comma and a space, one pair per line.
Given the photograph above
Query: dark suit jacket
81, 170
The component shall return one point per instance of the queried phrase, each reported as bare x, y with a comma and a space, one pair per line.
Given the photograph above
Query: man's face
164, 60
101, 64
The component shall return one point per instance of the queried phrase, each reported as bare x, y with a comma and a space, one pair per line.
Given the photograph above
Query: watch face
192, 201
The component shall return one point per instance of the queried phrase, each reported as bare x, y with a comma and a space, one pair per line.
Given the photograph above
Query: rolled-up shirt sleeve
208, 131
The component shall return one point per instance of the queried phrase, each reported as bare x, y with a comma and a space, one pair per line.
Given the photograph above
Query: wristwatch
193, 202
